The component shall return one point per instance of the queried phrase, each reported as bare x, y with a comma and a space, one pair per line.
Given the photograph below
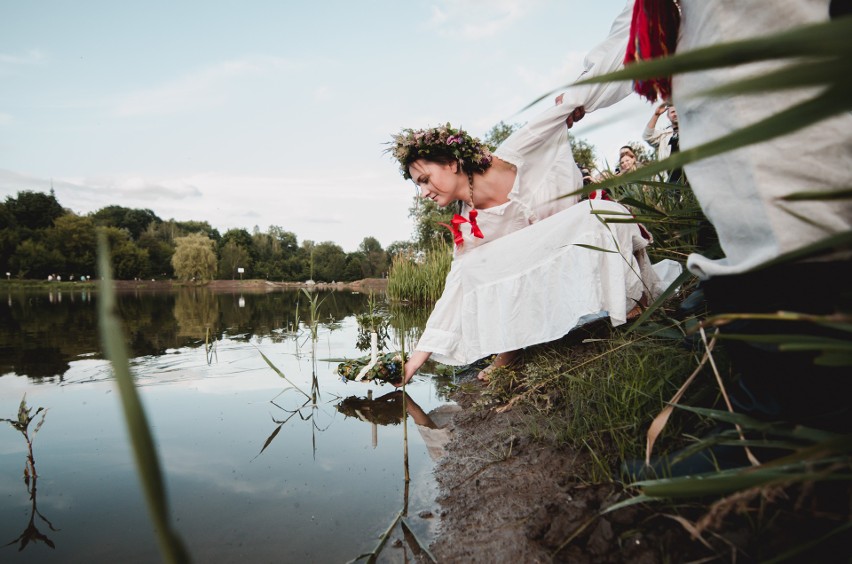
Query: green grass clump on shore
598, 389
420, 279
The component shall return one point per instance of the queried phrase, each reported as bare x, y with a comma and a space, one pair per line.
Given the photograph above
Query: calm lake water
254, 471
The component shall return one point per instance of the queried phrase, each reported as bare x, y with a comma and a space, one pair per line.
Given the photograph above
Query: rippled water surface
256, 470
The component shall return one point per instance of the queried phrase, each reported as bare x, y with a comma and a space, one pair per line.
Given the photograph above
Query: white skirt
536, 284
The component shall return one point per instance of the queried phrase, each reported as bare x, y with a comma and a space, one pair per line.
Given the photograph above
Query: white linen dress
530, 280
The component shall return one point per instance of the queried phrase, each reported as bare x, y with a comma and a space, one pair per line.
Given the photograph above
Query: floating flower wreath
440, 143
388, 368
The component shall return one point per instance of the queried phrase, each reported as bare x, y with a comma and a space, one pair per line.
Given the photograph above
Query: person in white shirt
661, 139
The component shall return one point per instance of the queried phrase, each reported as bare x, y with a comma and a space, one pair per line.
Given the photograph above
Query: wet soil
509, 496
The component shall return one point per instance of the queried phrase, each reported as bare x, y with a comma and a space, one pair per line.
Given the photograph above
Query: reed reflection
311, 403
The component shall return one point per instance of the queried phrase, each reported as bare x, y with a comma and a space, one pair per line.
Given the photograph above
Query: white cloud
439, 16
375, 201
31, 57
202, 89
323, 94
476, 19
566, 72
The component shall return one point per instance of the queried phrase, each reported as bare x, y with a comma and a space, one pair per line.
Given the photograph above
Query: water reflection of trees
41, 332
196, 312
410, 319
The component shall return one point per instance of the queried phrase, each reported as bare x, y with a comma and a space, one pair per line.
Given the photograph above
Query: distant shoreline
364, 285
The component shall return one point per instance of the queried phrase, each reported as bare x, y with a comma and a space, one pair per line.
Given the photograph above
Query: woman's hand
576, 115
413, 365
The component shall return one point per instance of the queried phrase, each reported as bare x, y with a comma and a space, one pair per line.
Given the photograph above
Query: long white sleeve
606, 57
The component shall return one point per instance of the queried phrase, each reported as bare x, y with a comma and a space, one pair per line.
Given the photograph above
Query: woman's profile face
437, 182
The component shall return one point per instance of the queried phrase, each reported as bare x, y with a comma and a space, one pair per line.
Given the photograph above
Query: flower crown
443, 143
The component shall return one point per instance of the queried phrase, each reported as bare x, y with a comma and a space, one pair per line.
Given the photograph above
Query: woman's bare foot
510, 358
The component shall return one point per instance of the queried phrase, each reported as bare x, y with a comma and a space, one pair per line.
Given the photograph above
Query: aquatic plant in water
22, 425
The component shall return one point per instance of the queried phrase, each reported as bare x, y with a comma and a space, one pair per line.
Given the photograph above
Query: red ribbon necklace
457, 220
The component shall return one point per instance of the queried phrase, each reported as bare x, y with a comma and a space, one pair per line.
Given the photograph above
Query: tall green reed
141, 440
420, 279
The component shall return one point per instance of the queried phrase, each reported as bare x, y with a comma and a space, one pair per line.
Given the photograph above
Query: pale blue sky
274, 113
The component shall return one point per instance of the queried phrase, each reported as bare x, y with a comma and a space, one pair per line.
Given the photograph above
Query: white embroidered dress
533, 277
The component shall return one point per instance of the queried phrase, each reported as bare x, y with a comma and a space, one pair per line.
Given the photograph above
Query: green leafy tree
159, 253
307, 256
10, 236
231, 257
354, 267
9, 240
329, 262
194, 258
290, 263
128, 260
276, 254
34, 210
241, 237
427, 216
136, 221
74, 237
33, 259
499, 133
398, 248
7, 218
583, 151
375, 260
189, 227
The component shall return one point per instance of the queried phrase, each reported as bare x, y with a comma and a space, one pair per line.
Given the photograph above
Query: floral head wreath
440, 144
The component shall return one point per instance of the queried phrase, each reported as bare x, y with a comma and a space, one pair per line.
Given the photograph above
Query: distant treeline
39, 238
